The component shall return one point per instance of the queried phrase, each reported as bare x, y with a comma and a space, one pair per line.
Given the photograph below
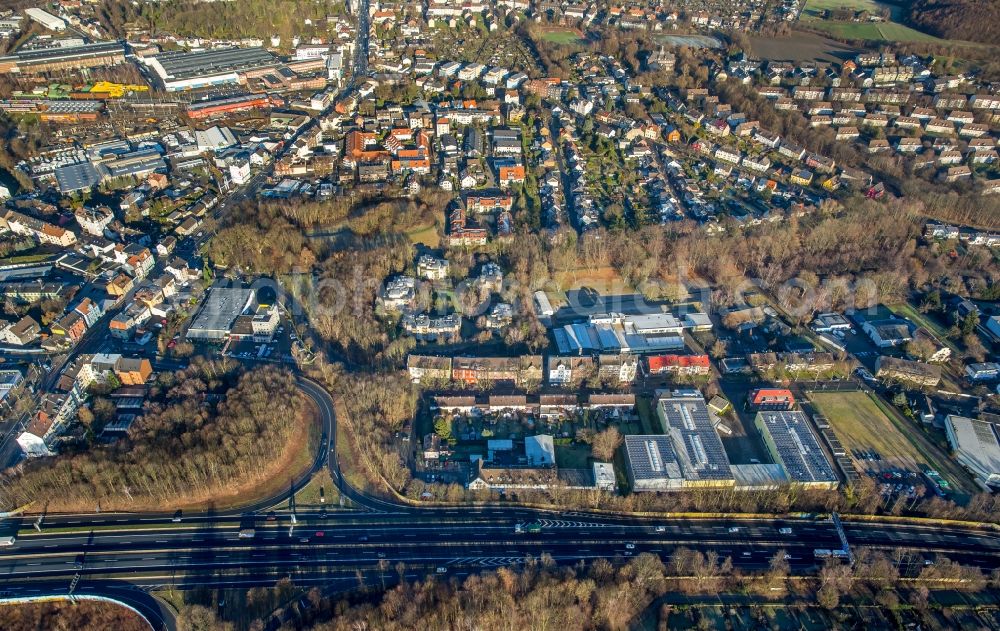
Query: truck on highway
247, 533
821, 553
6, 542
532, 528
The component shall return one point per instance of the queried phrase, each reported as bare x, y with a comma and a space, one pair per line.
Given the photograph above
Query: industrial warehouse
690, 454
191, 70
37, 61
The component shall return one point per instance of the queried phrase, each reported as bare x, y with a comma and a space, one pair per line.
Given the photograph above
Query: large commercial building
652, 465
46, 19
74, 178
639, 333
689, 454
794, 446
977, 446
64, 58
181, 70
220, 309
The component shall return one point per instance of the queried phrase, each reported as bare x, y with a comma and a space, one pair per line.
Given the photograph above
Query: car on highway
177, 517
442, 570
363, 538
381, 555
661, 529
734, 529
630, 546
785, 531
320, 533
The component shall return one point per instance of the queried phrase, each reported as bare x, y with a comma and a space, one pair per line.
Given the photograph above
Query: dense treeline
224, 20
831, 250
209, 430
342, 303
67, 616
538, 594
971, 20
964, 210
863, 498
271, 238
262, 242
373, 407
19, 141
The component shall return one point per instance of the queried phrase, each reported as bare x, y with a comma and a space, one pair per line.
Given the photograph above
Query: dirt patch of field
801, 46
865, 431
605, 280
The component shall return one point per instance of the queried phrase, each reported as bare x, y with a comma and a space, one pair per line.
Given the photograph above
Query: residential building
771, 399
570, 369
988, 371
888, 333
478, 370
678, 364
427, 367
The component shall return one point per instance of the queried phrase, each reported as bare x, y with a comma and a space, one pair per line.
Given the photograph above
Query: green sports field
562, 36
862, 426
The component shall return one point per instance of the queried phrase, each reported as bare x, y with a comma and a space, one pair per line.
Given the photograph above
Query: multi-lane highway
121, 555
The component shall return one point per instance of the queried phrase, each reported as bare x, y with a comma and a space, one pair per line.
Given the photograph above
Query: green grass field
562, 36
427, 235
885, 31
812, 15
862, 426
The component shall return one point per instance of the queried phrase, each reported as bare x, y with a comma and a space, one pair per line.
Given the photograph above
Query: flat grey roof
652, 457
797, 446
186, 65
76, 177
47, 55
698, 446
220, 309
